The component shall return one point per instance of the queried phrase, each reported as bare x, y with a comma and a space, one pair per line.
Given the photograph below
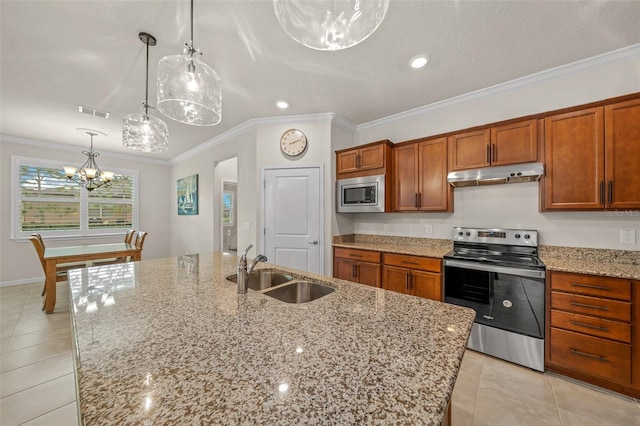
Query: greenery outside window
45, 201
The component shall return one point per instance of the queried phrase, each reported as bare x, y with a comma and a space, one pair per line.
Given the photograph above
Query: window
44, 201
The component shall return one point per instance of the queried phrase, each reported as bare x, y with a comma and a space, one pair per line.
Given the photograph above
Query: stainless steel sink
260, 280
300, 292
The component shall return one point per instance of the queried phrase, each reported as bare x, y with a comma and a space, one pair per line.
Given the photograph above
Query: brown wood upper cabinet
592, 158
507, 144
420, 177
366, 160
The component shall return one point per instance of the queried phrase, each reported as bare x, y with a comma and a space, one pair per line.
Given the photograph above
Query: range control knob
467, 233
527, 236
517, 235
460, 233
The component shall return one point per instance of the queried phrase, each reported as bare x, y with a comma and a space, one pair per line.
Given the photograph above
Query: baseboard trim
21, 282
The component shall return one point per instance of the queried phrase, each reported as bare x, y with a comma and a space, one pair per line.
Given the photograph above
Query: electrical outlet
628, 236
429, 229
385, 227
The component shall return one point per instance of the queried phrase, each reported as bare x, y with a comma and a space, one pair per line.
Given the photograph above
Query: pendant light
89, 176
189, 91
330, 25
142, 131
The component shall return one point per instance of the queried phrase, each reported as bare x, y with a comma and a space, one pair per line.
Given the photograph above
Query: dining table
83, 253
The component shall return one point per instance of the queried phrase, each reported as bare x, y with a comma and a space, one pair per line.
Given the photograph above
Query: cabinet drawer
363, 255
595, 356
589, 325
595, 306
413, 262
615, 288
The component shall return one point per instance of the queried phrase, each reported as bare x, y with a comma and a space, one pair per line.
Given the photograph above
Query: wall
18, 260
514, 205
317, 128
201, 233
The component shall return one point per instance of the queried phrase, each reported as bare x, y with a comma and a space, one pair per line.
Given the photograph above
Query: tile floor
37, 385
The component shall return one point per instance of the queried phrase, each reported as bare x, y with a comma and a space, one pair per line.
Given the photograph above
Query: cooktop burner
504, 247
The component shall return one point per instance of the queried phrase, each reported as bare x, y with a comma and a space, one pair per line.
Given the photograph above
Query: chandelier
189, 91
89, 176
142, 131
330, 24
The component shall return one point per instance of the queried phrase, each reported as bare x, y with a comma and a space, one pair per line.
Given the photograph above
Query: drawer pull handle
355, 255
406, 262
595, 327
602, 308
596, 287
588, 355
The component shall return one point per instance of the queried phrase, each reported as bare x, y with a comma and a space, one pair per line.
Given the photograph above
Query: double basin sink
284, 287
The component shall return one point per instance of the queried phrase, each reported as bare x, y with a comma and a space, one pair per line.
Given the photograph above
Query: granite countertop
613, 263
168, 341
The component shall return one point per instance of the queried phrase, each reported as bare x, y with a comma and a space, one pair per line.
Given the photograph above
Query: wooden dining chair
61, 268
128, 237
139, 241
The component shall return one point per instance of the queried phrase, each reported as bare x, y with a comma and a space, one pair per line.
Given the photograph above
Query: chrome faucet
244, 271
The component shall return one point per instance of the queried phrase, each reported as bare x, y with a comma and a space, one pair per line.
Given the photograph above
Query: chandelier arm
192, 23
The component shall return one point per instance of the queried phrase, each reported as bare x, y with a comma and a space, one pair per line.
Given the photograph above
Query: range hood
526, 172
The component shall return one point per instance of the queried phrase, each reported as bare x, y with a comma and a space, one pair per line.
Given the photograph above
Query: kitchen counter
169, 341
427, 247
590, 261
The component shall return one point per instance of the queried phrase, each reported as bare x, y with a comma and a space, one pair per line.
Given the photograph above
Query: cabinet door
405, 178
622, 154
514, 143
368, 273
426, 284
574, 161
396, 279
344, 269
371, 157
347, 162
469, 150
435, 191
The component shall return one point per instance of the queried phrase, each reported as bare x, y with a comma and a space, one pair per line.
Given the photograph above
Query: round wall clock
293, 142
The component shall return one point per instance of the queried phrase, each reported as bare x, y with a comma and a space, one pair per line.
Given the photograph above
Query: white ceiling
56, 55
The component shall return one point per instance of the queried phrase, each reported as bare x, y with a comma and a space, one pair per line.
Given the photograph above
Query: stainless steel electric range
497, 272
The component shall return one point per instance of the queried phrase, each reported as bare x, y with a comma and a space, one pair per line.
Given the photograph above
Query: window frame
84, 200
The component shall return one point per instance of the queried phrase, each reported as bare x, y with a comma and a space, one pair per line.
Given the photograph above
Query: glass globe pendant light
330, 24
189, 91
142, 131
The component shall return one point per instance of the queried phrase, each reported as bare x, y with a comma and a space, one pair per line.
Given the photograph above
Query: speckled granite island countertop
169, 341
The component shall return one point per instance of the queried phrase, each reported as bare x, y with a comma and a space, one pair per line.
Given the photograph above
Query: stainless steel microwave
361, 195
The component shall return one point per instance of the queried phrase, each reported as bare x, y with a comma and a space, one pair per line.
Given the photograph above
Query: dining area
58, 261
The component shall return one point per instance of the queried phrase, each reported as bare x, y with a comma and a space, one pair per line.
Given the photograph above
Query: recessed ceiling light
282, 104
419, 61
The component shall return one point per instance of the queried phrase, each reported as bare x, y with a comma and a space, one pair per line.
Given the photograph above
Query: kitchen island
169, 341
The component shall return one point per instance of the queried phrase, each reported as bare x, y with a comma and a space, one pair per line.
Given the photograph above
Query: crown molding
254, 123
588, 64
76, 149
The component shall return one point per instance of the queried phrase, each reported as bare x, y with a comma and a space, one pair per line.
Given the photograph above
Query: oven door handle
491, 268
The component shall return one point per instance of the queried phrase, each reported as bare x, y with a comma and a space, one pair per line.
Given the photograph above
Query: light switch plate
628, 236
385, 227
429, 229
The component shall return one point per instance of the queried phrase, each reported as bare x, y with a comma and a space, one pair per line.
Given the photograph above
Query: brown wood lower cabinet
361, 266
592, 330
419, 276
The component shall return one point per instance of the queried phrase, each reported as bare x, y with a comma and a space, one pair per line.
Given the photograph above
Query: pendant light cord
146, 90
191, 23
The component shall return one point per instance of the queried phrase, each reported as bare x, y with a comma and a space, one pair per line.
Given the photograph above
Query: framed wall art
188, 195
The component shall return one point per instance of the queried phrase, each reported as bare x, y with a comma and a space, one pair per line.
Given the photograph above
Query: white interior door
292, 209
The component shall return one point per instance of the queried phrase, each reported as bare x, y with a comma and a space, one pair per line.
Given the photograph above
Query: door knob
314, 242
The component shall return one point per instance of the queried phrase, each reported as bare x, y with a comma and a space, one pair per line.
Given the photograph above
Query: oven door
503, 297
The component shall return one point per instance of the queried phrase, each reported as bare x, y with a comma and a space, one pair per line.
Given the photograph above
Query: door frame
261, 224
235, 225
